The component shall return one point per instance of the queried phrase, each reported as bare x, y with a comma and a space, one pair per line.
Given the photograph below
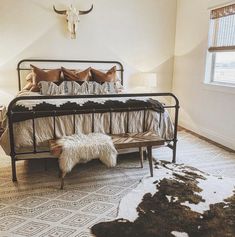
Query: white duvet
83, 123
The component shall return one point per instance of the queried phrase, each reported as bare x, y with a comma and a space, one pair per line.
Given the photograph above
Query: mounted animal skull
72, 16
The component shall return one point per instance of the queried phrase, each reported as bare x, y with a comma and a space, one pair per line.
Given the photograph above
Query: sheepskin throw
81, 148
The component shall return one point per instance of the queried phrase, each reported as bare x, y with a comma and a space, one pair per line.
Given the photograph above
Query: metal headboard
21, 65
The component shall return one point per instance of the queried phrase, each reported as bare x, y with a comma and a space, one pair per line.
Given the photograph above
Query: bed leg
175, 130
62, 180
13, 167
174, 152
141, 156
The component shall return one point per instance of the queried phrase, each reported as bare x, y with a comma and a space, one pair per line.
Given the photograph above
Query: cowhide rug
178, 201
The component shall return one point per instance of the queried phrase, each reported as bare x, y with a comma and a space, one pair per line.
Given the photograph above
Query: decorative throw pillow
50, 88
101, 77
118, 86
108, 88
80, 89
101, 89
41, 75
29, 77
29, 80
65, 88
28, 86
76, 75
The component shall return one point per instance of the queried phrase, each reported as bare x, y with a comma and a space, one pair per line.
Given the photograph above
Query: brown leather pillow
41, 75
73, 75
100, 77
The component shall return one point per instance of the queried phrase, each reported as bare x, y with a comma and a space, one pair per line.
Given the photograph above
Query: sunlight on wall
203, 110
139, 34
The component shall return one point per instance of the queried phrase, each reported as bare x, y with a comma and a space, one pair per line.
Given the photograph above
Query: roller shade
222, 29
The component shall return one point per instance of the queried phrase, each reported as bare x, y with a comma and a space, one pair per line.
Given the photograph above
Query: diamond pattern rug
35, 206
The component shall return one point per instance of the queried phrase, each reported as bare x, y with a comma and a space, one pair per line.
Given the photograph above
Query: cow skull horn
72, 17
63, 12
86, 12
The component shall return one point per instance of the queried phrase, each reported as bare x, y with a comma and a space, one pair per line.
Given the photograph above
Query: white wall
205, 110
138, 33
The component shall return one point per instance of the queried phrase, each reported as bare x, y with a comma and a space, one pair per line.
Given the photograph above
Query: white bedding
64, 124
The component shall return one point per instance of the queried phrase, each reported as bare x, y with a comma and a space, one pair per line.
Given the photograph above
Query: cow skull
72, 17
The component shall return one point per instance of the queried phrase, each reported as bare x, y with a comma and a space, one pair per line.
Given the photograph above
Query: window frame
215, 86
210, 66
210, 72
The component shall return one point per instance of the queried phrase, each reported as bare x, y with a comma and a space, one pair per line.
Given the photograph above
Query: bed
33, 117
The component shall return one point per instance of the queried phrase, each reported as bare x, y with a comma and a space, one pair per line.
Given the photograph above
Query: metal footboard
13, 114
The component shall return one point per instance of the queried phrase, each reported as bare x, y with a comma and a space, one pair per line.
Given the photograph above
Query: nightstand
2, 111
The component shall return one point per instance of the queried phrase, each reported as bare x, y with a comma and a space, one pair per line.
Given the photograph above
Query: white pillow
50, 88
74, 88
100, 89
65, 88
79, 89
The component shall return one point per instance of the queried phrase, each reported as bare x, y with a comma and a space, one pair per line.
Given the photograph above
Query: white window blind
222, 29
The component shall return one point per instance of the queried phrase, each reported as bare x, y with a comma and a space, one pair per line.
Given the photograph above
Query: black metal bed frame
17, 155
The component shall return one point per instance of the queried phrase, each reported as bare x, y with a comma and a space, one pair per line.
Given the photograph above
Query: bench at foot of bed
139, 140
104, 148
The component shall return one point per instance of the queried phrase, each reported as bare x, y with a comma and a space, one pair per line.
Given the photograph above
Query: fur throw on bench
81, 148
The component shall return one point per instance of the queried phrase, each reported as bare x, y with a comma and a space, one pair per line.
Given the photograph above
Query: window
221, 51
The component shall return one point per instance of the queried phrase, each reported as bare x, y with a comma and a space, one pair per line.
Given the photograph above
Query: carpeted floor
36, 207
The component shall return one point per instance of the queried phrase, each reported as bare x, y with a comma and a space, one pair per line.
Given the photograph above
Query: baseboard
213, 136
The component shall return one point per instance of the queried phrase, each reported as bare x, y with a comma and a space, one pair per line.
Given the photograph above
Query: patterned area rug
178, 201
35, 206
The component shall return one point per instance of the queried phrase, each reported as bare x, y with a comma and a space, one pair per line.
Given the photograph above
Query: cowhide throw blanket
81, 148
178, 201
